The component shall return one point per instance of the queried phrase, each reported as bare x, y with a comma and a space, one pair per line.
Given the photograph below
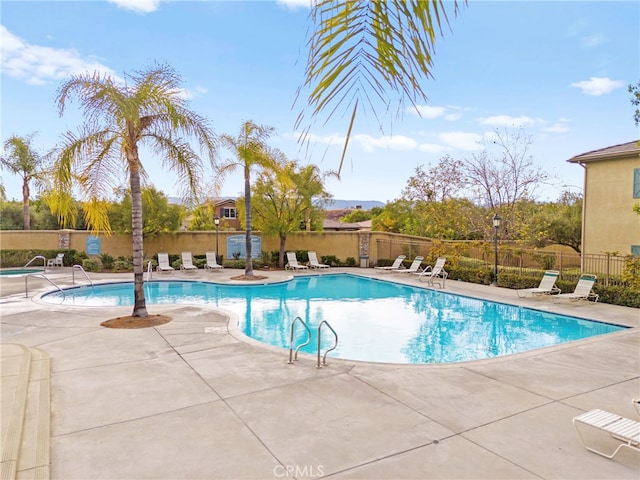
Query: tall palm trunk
248, 266
26, 216
139, 306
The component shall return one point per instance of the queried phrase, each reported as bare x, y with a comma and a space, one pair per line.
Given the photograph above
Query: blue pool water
19, 272
376, 320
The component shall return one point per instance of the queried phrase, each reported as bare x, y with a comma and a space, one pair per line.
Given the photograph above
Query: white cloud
427, 111
507, 121
138, 6
394, 142
189, 94
38, 65
462, 140
430, 112
295, 4
597, 86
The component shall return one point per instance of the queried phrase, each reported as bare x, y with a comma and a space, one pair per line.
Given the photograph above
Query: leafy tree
201, 218
11, 216
356, 216
362, 50
147, 110
159, 215
451, 219
43, 219
398, 216
501, 181
21, 159
250, 151
284, 200
558, 222
440, 183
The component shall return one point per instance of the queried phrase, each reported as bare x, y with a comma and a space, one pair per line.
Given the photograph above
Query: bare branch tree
500, 181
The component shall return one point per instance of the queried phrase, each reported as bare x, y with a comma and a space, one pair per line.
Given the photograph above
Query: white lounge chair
395, 266
547, 285
163, 263
56, 262
413, 268
624, 431
212, 262
582, 290
292, 262
187, 263
313, 261
433, 274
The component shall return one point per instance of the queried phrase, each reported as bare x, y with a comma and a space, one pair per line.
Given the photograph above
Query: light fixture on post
216, 220
496, 225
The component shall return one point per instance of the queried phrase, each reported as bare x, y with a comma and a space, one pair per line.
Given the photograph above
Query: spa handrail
44, 261
73, 275
43, 275
293, 357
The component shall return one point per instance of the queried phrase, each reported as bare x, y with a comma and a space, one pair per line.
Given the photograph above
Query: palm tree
250, 150
23, 160
358, 47
118, 118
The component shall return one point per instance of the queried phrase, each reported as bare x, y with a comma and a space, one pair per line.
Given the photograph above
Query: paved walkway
194, 399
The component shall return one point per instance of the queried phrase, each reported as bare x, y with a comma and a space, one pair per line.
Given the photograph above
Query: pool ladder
293, 356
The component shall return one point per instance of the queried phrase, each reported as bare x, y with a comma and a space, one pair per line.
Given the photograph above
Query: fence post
560, 262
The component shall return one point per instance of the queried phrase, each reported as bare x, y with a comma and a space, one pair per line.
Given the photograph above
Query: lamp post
496, 225
216, 220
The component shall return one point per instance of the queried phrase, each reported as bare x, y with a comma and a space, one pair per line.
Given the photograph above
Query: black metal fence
608, 268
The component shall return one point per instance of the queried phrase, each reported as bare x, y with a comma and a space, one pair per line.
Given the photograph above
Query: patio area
196, 399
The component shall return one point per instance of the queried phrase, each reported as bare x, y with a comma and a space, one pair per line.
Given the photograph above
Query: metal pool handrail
292, 358
73, 276
324, 358
44, 261
43, 275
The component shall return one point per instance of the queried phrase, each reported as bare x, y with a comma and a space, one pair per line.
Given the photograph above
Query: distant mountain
353, 204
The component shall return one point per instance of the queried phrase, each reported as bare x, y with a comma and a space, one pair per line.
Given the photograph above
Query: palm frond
363, 50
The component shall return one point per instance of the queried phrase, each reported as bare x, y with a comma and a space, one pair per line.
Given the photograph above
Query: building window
636, 183
229, 213
635, 250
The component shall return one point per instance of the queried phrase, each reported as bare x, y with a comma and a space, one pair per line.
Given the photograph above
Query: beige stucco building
611, 189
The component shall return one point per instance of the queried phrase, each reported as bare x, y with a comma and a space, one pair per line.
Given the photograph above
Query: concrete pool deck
195, 399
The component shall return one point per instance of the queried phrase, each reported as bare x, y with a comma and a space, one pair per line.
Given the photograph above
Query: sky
557, 70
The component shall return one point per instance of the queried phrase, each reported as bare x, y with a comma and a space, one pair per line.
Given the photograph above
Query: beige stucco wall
355, 244
610, 224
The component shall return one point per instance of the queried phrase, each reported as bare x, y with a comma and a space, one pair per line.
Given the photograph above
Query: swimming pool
19, 272
376, 320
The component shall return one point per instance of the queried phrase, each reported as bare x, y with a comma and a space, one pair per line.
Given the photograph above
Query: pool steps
26, 412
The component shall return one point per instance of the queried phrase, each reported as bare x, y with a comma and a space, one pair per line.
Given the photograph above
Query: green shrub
473, 275
90, 265
350, 262
122, 266
331, 260
107, 261
617, 295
